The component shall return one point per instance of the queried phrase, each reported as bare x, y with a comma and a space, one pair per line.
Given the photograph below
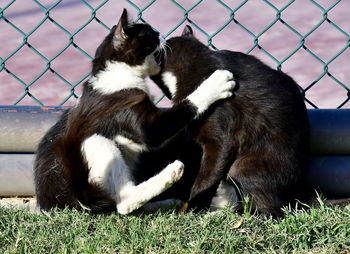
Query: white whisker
162, 47
168, 47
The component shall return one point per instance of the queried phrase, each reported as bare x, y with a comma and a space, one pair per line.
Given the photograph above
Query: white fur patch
218, 86
130, 149
109, 170
129, 144
225, 196
118, 76
107, 166
170, 82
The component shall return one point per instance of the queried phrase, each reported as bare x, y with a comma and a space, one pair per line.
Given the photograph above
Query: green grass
321, 230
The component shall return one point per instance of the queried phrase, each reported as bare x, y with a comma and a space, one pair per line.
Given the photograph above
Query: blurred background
46, 46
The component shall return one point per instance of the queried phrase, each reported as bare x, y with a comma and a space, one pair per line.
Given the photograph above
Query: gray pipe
330, 174
330, 131
22, 127
16, 175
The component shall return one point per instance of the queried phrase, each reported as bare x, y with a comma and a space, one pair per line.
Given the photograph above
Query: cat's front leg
218, 86
160, 125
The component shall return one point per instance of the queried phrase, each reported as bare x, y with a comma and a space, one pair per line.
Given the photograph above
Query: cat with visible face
87, 157
255, 143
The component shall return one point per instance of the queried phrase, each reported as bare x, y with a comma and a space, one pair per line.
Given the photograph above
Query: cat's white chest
129, 148
170, 81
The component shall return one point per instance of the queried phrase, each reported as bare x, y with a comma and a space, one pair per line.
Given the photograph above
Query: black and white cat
258, 138
87, 156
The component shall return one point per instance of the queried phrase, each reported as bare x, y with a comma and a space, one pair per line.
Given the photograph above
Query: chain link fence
46, 46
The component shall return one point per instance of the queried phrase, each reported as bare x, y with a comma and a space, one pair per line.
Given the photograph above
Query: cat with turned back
255, 143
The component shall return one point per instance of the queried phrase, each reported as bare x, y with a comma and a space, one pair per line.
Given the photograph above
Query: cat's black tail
82, 122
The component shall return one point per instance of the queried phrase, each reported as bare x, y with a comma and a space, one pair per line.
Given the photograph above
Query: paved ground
19, 202
279, 41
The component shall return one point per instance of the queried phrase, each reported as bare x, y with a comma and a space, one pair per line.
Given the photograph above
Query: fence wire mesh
309, 39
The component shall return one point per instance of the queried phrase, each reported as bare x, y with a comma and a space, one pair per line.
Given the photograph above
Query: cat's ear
121, 27
187, 31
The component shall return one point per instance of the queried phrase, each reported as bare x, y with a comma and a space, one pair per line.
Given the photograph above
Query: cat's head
129, 43
181, 54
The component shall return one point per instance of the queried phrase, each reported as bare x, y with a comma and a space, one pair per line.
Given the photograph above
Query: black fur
259, 138
60, 171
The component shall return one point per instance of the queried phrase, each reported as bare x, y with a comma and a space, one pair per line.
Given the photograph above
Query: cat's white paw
226, 89
220, 76
124, 209
218, 86
173, 172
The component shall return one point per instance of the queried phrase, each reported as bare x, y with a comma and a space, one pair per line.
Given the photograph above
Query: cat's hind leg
215, 164
133, 197
259, 180
109, 170
107, 167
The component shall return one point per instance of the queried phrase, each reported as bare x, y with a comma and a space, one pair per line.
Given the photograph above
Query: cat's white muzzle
153, 68
154, 59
